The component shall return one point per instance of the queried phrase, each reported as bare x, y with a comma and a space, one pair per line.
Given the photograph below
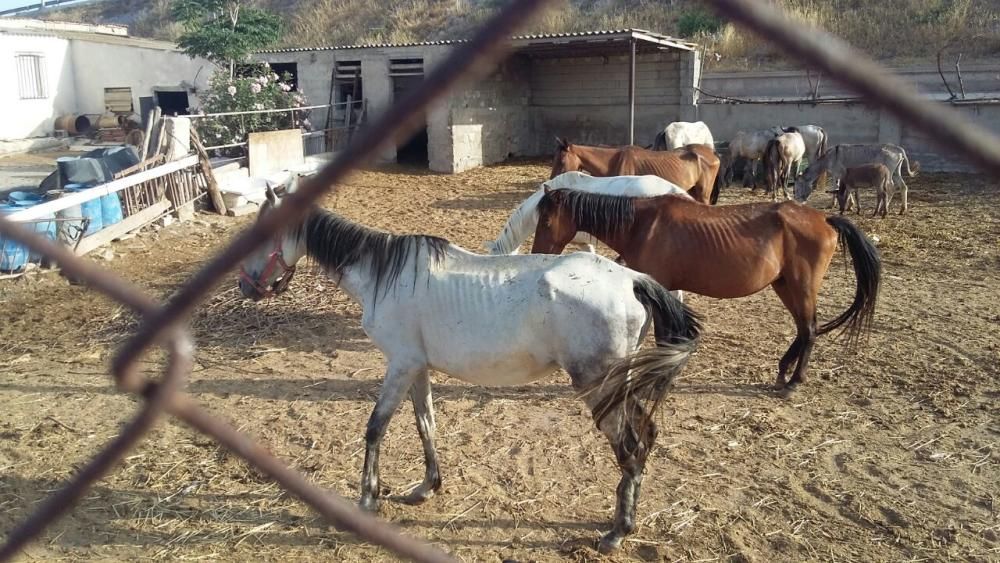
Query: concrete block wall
849, 123
844, 123
919, 146
585, 99
490, 120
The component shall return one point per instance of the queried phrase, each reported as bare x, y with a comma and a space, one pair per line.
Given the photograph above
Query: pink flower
255, 88
262, 80
275, 77
285, 87
231, 90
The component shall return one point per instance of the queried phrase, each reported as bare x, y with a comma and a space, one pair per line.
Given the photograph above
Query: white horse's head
268, 270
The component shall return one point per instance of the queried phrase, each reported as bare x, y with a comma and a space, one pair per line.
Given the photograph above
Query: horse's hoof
419, 495
788, 389
609, 543
369, 504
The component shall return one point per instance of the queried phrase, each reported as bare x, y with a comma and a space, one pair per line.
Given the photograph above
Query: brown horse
725, 252
694, 168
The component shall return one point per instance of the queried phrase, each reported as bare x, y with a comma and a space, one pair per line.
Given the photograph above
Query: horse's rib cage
162, 321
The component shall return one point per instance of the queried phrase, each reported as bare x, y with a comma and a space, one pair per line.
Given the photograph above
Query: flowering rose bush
258, 88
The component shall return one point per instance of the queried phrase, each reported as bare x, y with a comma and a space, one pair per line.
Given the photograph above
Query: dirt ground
887, 455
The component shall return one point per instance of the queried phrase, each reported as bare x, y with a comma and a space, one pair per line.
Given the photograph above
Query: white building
52, 69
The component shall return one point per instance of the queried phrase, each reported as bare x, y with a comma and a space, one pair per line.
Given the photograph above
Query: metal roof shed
611, 87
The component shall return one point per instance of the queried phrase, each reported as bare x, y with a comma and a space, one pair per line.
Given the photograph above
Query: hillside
898, 31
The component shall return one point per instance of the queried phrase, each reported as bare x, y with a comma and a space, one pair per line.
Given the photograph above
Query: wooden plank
131, 223
46, 209
212, 186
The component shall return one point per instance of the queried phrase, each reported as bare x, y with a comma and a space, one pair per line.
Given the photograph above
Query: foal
875, 176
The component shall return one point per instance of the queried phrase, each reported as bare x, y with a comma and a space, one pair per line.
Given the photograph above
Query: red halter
274, 260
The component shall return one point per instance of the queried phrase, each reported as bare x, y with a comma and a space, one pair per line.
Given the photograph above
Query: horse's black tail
660, 142
647, 375
857, 319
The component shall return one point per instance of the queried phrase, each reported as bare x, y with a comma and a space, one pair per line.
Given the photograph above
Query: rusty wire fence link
161, 325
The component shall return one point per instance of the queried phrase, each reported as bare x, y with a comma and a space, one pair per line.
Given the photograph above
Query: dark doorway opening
172, 103
412, 151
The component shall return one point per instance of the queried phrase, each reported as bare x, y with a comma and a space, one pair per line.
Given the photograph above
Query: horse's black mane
597, 214
337, 243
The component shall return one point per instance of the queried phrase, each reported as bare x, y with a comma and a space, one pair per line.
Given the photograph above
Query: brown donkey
694, 168
725, 252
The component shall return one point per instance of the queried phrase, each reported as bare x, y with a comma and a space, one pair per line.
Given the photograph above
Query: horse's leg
631, 433
798, 292
904, 193
423, 409
398, 380
784, 292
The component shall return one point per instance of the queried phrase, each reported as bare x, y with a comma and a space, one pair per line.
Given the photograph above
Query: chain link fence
163, 323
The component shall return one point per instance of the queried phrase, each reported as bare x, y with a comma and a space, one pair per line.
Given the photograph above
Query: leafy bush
697, 22
252, 90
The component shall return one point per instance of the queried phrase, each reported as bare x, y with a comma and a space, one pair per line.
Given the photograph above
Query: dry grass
896, 31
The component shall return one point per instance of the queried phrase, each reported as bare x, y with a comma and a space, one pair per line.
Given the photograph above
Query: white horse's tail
906, 161
645, 377
821, 145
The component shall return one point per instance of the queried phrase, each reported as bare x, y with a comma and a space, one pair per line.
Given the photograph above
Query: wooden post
631, 91
206, 169
153, 116
347, 120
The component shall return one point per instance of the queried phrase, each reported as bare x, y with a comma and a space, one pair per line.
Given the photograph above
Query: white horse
494, 320
524, 219
814, 138
682, 133
750, 146
781, 161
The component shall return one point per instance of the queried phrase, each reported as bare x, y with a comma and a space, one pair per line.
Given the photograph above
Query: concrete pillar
177, 137
440, 143
690, 76
378, 92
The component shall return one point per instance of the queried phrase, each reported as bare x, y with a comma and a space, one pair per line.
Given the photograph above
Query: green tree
224, 31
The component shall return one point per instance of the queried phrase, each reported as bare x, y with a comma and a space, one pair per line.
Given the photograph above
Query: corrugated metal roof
519, 41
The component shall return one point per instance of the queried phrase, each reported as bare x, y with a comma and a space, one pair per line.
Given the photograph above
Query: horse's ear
272, 197
563, 144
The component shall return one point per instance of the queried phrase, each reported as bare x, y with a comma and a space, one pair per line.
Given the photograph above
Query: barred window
31, 76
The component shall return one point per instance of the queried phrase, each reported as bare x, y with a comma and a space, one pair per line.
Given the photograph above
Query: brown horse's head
565, 160
556, 225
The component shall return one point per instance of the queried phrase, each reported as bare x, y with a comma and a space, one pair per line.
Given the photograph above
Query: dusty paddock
888, 455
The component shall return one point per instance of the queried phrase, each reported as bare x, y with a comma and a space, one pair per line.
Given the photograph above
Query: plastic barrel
111, 210
71, 219
92, 210
13, 255
45, 225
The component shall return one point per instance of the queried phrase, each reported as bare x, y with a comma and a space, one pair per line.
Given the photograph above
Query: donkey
841, 157
875, 176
